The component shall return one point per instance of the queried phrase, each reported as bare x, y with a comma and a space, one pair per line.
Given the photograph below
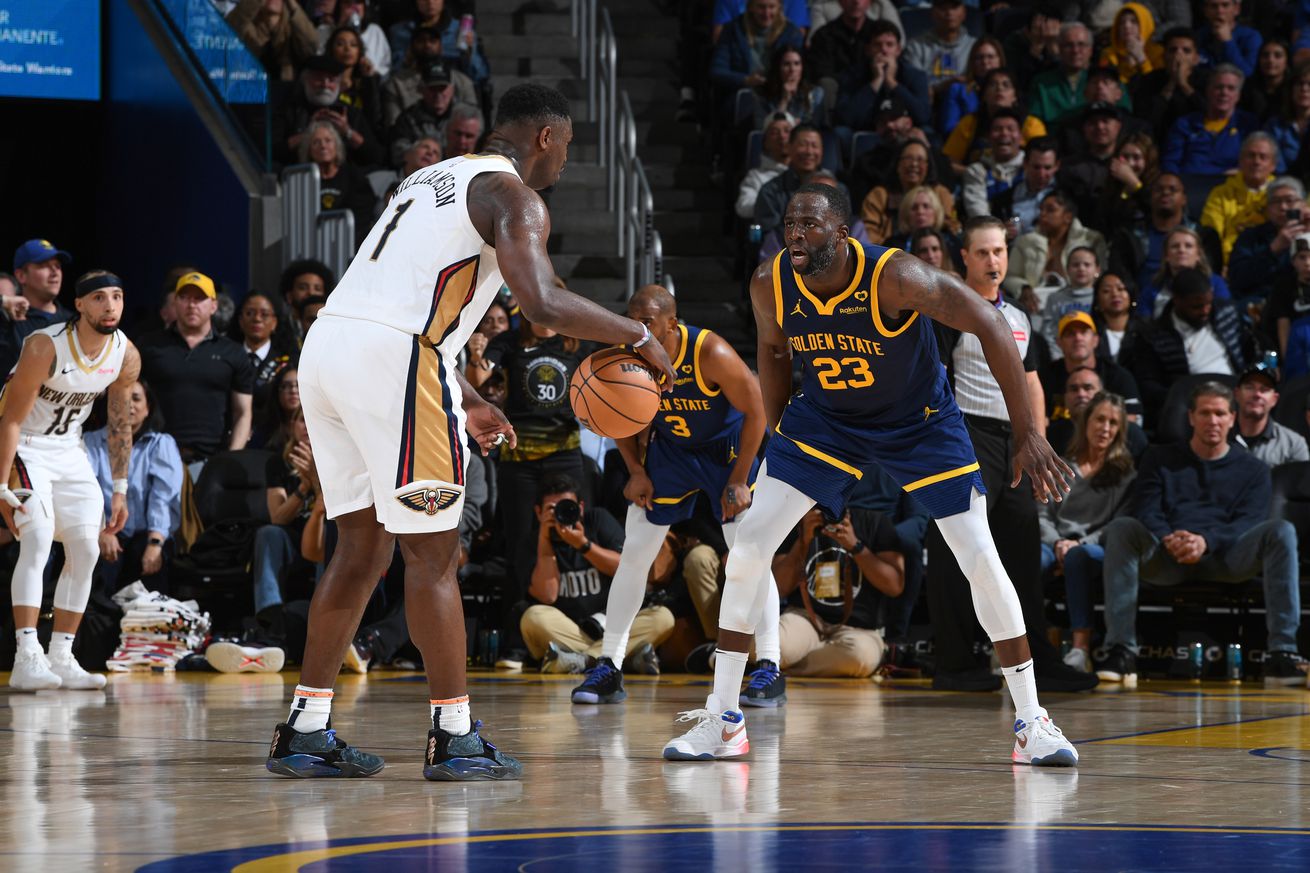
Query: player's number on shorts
63, 420
391, 225
679, 425
830, 368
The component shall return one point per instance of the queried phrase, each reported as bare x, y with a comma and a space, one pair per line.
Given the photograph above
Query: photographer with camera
578, 551
1263, 253
843, 569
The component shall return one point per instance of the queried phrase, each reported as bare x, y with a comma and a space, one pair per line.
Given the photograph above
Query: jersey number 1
391, 225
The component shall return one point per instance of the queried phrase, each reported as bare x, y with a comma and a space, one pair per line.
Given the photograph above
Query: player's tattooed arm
120, 422
772, 351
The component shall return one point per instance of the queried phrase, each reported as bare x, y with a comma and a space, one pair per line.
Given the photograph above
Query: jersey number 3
391, 225
679, 425
830, 368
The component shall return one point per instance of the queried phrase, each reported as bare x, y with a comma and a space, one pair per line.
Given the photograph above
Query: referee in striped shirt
1012, 512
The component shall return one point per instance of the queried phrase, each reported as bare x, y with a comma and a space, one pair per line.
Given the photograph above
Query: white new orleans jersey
64, 399
424, 269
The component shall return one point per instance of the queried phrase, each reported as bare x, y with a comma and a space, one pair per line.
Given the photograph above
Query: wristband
856, 549
645, 338
585, 547
120, 486
8, 496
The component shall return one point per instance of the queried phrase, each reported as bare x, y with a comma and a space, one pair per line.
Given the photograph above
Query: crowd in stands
1144, 160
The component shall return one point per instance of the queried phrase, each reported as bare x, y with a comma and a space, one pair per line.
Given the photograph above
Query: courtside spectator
301, 279
268, 342
463, 130
746, 46
804, 159
1114, 310
837, 42
427, 117
913, 168
1162, 97
1184, 249
997, 170
1078, 341
967, 142
1023, 199
1039, 257
1239, 202
961, 97
1257, 395
203, 380
1288, 304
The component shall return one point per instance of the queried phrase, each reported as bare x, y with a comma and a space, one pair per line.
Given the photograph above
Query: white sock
61, 644
310, 709
729, 668
27, 641
451, 716
1023, 690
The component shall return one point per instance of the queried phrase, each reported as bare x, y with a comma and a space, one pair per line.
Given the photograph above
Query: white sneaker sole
231, 658
89, 682
1058, 758
19, 683
353, 662
672, 752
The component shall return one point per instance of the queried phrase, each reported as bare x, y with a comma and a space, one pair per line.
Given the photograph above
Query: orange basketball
614, 393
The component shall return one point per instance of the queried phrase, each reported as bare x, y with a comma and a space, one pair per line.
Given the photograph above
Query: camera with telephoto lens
567, 512
1294, 216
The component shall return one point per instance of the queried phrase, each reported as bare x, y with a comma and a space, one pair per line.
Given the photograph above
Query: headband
95, 283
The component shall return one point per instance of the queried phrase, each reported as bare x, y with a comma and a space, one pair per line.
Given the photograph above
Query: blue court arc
1069, 848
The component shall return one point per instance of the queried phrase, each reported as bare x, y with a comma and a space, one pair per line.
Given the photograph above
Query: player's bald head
656, 296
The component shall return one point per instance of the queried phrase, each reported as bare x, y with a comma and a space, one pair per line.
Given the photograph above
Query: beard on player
816, 260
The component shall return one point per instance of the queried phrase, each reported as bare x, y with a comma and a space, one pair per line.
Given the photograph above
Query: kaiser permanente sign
50, 48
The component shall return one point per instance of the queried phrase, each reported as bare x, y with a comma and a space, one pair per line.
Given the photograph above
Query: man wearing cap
1085, 173
318, 98
1078, 341
1257, 395
204, 381
883, 73
427, 117
49, 490
405, 87
39, 269
1263, 253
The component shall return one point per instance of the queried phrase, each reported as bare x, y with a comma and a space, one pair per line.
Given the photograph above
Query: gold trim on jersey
456, 285
76, 351
823, 456
777, 286
874, 307
682, 346
826, 307
941, 477
695, 366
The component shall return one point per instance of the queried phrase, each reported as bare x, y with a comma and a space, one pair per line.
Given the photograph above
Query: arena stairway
531, 40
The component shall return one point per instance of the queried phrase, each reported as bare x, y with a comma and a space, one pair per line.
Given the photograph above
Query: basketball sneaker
317, 754
561, 659
1284, 668
716, 735
1120, 665
767, 686
1042, 744
604, 684
71, 674
232, 658
32, 672
467, 758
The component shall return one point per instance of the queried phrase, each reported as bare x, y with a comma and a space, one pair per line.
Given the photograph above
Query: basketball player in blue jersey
388, 413
874, 392
705, 437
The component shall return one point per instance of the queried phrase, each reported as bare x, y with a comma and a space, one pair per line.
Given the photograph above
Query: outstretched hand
1050, 475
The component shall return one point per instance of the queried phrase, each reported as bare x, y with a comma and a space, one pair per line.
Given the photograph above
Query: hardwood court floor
164, 772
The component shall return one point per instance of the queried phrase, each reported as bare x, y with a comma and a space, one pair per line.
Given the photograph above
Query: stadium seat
754, 148
1198, 188
743, 106
1171, 424
1291, 502
232, 486
1290, 411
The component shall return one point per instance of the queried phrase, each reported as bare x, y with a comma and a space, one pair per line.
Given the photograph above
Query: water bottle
466, 33
1234, 662
1196, 661
755, 233
492, 653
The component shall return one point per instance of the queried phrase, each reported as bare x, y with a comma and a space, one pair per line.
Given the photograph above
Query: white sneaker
1079, 660
355, 661
231, 658
1042, 744
716, 735
32, 672
72, 676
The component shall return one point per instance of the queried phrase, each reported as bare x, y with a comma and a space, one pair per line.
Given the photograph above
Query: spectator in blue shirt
1208, 143
144, 547
886, 73
1263, 253
1223, 41
463, 50
747, 43
961, 98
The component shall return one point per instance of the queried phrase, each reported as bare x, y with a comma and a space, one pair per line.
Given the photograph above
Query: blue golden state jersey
693, 414
857, 365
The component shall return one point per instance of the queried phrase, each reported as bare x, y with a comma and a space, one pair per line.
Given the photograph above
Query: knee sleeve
81, 551
743, 590
28, 583
994, 599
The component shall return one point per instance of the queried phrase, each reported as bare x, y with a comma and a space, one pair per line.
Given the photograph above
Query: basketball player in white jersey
388, 408
50, 492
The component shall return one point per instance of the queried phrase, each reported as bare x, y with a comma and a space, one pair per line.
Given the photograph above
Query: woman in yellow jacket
1131, 51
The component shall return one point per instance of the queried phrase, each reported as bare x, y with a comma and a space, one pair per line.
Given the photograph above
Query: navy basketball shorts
928, 453
678, 472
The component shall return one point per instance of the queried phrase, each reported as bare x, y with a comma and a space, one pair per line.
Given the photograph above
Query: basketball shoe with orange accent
232, 658
716, 735
1040, 743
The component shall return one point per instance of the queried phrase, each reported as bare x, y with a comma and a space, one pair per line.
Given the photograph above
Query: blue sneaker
317, 754
604, 684
767, 687
467, 758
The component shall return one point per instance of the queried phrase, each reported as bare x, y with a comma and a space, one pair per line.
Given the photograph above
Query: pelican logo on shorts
861, 296
429, 500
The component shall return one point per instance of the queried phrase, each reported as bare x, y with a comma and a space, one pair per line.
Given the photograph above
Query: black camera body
567, 512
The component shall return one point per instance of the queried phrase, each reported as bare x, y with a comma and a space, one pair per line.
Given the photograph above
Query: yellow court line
295, 860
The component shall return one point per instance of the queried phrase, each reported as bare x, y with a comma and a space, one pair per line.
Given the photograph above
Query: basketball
614, 393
